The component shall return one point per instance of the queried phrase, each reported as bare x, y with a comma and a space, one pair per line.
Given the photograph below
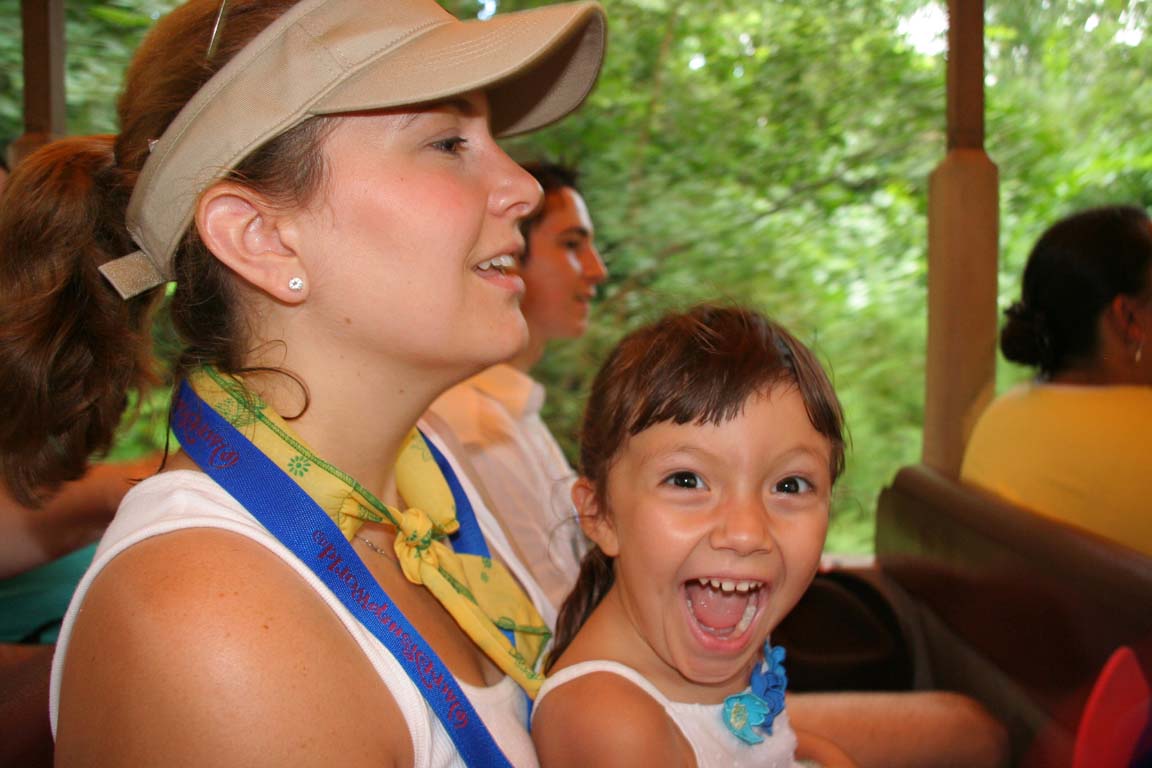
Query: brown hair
552, 177
699, 366
71, 349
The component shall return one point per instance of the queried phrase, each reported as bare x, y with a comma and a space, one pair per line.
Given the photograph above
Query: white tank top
183, 499
701, 724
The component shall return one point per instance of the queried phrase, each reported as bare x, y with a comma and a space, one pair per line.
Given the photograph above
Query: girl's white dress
702, 724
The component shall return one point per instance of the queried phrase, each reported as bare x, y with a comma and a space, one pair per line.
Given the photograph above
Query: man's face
562, 270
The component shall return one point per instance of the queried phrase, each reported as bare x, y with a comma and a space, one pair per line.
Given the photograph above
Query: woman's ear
597, 526
1127, 315
248, 236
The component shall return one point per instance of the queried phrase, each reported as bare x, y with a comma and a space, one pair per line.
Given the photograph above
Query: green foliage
100, 38
771, 153
776, 152
1067, 114
11, 76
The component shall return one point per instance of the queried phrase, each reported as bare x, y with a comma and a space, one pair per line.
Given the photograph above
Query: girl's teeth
749, 614
725, 585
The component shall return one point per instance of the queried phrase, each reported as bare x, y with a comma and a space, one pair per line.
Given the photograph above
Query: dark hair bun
1025, 337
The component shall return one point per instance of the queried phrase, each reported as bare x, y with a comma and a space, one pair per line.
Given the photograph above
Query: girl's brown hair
71, 349
699, 366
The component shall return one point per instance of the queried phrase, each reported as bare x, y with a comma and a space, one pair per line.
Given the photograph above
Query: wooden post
44, 111
963, 232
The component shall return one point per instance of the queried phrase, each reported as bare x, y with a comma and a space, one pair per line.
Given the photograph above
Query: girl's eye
572, 245
451, 145
793, 484
689, 480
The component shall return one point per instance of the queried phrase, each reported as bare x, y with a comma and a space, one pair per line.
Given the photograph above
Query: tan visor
330, 56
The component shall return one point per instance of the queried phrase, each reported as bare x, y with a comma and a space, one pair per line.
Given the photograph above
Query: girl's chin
723, 661
722, 677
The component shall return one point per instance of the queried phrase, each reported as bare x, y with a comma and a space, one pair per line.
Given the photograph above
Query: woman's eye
451, 145
689, 480
793, 484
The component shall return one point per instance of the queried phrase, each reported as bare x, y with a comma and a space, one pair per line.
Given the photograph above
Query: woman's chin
499, 347
510, 343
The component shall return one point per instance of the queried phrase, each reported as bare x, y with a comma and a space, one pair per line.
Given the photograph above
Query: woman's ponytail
70, 348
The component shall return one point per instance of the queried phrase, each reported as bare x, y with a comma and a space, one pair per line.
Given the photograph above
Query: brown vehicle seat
1019, 611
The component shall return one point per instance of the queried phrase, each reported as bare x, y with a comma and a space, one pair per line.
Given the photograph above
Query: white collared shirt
495, 415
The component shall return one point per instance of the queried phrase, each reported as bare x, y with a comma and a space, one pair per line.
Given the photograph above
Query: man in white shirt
495, 415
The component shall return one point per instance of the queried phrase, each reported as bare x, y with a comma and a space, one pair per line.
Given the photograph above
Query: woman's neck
1114, 362
1106, 370
355, 421
1080, 377
527, 358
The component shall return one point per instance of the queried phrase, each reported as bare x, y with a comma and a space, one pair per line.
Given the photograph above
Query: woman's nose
517, 193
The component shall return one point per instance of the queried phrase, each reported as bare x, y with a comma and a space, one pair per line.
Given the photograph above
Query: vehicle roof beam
45, 116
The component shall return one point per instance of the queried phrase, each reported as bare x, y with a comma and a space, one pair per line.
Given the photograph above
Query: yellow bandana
477, 591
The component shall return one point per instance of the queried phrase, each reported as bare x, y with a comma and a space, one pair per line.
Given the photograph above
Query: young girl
303, 585
709, 448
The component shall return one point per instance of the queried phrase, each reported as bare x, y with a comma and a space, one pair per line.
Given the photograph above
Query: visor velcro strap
133, 274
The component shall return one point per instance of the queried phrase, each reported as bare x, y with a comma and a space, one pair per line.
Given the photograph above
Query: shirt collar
518, 392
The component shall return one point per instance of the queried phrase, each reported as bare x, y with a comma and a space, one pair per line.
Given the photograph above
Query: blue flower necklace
746, 714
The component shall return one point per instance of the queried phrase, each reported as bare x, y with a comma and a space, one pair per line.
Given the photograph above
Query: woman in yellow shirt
1073, 444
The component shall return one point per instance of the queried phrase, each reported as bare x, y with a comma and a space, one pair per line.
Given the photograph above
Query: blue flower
758, 708
742, 713
769, 675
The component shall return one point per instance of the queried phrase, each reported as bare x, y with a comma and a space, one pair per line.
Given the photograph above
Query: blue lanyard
290, 514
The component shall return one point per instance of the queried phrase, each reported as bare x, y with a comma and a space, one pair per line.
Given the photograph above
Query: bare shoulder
603, 719
202, 647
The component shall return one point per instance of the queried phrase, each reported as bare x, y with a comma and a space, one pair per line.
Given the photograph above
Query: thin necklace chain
374, 547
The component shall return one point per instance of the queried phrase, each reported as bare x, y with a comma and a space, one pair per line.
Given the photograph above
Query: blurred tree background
777, 152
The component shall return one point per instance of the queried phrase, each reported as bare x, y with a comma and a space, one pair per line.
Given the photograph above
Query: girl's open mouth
723, 608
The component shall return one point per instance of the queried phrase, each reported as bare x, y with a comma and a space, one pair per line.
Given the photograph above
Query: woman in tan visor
309, 581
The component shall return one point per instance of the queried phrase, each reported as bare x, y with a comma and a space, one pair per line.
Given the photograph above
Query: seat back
1045, 603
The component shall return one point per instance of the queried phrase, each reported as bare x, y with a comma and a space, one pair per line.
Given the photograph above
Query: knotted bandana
477, 591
